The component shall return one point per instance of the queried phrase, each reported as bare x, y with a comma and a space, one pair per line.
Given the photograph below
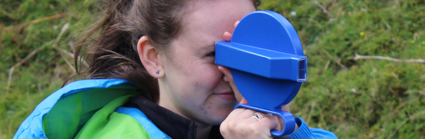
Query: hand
240, 123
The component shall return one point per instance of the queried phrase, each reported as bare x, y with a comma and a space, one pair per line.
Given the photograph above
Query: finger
236, 23
235, 113
268, 121
227, 73
260, 115
285, 107
277, 122
247, 114
254, 118
229, 78
243, 101
280, 124
227, 36
262, 126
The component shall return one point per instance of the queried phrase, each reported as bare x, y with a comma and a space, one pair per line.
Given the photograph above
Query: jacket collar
169, 122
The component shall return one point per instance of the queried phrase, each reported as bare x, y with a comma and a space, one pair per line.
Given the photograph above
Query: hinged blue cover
267, 63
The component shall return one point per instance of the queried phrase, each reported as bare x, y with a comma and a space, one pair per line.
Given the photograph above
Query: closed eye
211, 54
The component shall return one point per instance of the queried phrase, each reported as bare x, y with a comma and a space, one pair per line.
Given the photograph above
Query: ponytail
112, 55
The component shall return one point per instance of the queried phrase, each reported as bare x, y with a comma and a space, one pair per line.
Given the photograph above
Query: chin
216, 120
220, 117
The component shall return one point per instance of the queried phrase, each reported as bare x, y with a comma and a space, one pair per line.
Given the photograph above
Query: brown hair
114, 53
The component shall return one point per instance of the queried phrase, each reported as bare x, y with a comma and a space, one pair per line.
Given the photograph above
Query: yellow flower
361, 33
423, 42
413, 41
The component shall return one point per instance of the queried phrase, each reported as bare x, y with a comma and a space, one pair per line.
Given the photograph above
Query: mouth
228, 95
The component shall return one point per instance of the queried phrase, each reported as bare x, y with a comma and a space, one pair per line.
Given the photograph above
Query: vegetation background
354, 98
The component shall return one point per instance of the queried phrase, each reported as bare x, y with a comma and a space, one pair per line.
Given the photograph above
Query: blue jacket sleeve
304, 132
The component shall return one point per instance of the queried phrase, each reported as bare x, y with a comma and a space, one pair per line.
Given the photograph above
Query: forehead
207, 20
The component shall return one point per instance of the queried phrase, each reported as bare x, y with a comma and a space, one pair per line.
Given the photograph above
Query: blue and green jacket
112, 108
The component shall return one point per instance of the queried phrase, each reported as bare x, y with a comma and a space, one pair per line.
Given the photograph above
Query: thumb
229, 78
243, 101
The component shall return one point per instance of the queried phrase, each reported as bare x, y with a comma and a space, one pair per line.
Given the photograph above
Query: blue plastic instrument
267, 62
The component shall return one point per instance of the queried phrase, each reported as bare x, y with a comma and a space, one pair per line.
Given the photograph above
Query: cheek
198, 74
194, 77
208, 75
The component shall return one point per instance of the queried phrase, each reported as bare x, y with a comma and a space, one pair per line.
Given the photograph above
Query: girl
152, 75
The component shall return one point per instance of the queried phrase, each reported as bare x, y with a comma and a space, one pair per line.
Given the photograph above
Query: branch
72, 56
67, 62
20, 63
9, 15
356, 57
336, 61
323, 8
64, 28
28, 56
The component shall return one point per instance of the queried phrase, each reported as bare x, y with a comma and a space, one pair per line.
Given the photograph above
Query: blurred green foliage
365, 98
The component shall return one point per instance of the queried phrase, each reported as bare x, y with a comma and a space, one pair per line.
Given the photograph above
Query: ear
150, 57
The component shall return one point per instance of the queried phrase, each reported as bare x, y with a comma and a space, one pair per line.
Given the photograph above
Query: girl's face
193, 86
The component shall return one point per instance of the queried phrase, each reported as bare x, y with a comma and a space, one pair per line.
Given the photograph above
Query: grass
365, 98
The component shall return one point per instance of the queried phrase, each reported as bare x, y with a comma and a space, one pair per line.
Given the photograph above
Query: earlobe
150, 57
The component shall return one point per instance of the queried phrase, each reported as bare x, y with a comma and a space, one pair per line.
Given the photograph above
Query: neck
203, 130
165, 100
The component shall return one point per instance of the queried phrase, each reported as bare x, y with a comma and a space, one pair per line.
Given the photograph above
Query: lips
226, 95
